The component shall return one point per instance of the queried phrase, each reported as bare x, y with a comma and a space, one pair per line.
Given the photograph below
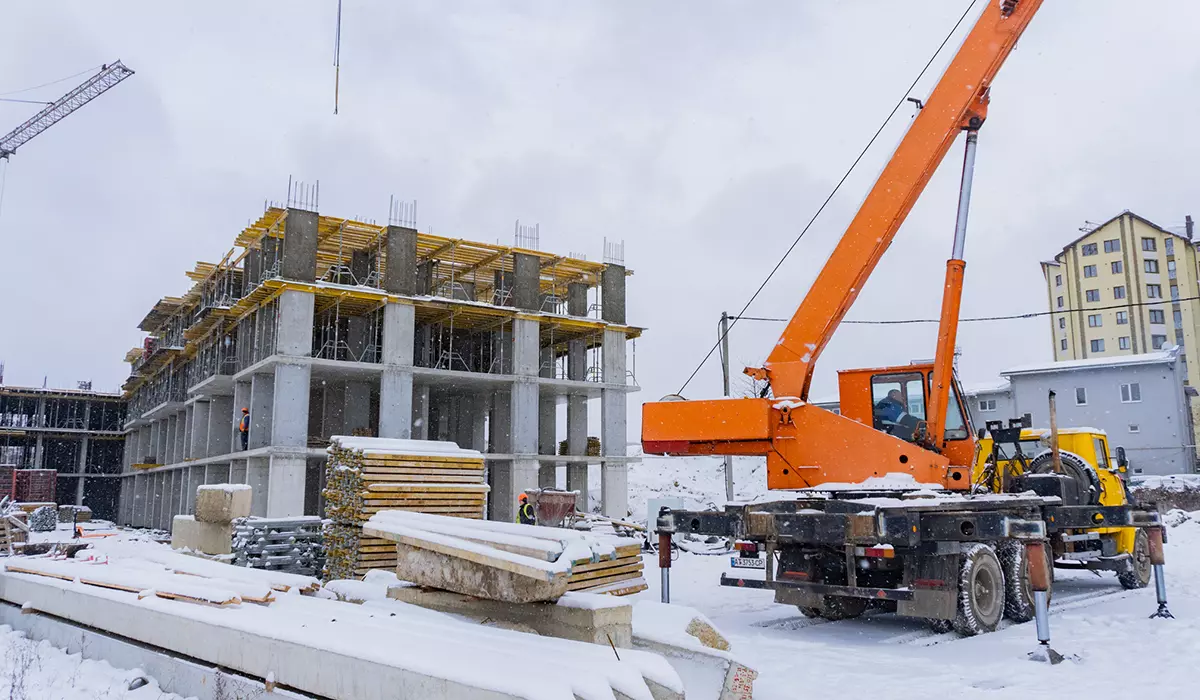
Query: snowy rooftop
1150, 358
995, 385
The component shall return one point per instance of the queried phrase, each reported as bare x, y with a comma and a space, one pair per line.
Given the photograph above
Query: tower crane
109, 75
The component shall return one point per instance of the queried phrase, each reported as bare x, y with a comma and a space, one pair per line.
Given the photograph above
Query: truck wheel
941, 626
1018, 591
810, 613
842, 607
980, 591
1137, 570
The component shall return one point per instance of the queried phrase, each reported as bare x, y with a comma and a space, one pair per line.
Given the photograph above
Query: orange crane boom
806, 445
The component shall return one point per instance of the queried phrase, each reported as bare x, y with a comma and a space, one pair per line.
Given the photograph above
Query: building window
1062, 321
1063, 343
1150, 265
1179, 336
1093, 294
987, 405
1157, 316
1175, 292
1098, 345
1154, 291
1157, 341
1122, 318
1149, 244
1089, 249
1112, 245
1059, 302
1135, 428
1119, 292
1089, 270
1123, 342
1118, 267
1178, 318
1171, 269
1058, 280
1095, 320
1169, 245
1131, 393
1080, 396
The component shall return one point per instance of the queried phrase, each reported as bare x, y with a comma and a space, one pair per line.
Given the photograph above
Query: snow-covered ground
32, 670
1121, 652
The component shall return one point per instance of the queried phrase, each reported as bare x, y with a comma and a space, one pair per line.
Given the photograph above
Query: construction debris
367, 475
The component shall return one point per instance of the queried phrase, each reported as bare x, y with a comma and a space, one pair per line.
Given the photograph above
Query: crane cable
93, 69
838, 186
337, 57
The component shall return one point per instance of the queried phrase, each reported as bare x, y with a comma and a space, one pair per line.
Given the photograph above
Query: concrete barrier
210, 538
222, 503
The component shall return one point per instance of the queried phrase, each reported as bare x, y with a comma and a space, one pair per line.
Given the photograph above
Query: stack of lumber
179, 563
506, 561
294, 545
365, 476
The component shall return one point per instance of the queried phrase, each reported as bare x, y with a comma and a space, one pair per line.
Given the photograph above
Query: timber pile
507, 561
294, 545
365, 476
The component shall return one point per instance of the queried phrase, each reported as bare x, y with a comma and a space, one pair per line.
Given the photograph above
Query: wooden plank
603, 581
386, 459
630, 569
422, 479
375, 487
601, 565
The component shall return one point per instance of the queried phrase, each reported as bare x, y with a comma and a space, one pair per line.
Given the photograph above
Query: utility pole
725, 382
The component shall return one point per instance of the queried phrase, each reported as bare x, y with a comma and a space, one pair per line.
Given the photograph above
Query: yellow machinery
1008, 461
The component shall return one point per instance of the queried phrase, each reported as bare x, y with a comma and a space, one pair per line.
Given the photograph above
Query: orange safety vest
244, 423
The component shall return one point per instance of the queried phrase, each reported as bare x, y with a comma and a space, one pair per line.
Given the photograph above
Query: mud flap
934, 582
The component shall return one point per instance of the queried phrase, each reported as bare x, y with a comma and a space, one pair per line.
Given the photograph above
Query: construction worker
525, 514
244, 428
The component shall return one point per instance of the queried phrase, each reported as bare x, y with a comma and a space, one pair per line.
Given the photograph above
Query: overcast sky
703, 134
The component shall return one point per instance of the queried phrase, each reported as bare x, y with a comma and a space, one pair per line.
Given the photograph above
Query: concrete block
210, 538
584, 617
221, 503
436, 570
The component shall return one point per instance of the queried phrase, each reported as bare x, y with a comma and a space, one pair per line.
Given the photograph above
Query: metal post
725, 383
1055, 455
1037, 566
664, 564
964, 196
1157, 560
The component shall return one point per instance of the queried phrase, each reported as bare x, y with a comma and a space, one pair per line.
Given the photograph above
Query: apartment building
1126, 287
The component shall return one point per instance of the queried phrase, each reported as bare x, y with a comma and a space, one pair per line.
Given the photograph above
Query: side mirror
1122, 461
981, 434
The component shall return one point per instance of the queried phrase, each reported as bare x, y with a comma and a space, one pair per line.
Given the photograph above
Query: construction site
363, 460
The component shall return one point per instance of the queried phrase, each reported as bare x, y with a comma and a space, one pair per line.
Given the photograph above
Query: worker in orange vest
525, 514
244, 428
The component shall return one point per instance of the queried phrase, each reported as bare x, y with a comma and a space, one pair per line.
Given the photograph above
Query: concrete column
188, 417
262, 401
614, 476
258, 470
181, 435
241, 399
612, 294
356, 408
177, 482
577, 404
200, 423
167, 437
499, 472
239, 471
145, 445
154, 494
547, 440
300, 246
131, 450
81, 467
396, 384
39, 452
526, 274
523, 429
333, 408
285, 487
220, 409
420, 412
400, 275
289, 414
137, 517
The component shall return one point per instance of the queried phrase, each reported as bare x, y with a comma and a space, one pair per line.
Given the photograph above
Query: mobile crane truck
881, 510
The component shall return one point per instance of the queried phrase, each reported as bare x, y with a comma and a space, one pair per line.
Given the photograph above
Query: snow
1170, 482
421, 448
1149, 358
788, 402
40, 670
891, 481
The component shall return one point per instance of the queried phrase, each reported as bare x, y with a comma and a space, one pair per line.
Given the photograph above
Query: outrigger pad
1044, 654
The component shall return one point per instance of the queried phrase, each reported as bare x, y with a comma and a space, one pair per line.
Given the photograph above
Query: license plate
748, 563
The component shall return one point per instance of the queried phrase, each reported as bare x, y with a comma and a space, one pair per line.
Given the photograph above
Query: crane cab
894, 400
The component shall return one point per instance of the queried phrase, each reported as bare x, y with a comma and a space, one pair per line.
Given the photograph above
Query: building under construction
77, 432
323, 326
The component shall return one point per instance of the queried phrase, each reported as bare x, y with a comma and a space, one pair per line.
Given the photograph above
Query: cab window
1101, 453
898, 402
956, 428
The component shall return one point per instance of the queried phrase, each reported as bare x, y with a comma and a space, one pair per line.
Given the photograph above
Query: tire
1075, 467
810, 613
843, 608
980, 591
1137, 573
1018, 591
941, 626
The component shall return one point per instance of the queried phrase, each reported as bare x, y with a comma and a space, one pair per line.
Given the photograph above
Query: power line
93, 69
836, 188
28, 102
1010, 317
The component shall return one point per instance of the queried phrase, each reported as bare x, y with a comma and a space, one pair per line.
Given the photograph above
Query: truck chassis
949, 558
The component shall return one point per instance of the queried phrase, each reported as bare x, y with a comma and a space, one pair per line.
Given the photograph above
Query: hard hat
522, 497
245, 410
